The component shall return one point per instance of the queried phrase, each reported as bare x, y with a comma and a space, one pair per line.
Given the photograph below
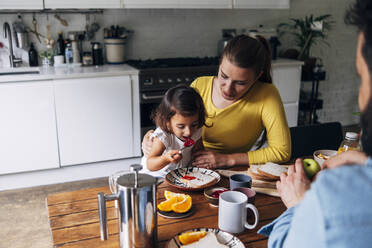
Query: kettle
136, 197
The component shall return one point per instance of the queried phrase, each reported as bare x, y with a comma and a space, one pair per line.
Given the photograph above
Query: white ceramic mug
232, 212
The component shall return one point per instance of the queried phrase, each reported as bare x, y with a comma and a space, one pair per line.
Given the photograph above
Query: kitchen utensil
115, 50
136, 195
62, 21
232, 212
174, 176
21, 35
34, 22
222, 237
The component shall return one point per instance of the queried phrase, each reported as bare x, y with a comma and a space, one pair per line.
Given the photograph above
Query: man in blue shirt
336, 209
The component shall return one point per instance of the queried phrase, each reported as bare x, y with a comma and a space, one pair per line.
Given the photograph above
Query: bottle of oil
351, 142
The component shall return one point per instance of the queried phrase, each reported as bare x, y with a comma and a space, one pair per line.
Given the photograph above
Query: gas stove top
174, 62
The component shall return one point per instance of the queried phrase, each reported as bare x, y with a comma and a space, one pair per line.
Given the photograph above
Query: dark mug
240, 180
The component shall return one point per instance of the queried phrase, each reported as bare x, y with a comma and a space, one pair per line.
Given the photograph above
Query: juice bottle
349, 143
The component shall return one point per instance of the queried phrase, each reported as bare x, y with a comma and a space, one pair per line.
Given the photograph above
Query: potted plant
308, 32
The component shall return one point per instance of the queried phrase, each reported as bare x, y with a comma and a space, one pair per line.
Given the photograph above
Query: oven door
149, 101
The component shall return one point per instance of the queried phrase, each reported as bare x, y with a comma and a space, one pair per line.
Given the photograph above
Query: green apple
311, 167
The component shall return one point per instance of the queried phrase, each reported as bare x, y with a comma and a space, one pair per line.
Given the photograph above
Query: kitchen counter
51, 73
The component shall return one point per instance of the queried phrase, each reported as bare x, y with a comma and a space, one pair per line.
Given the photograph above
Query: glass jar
351, 142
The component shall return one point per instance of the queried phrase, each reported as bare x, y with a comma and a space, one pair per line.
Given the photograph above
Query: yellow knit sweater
236, 128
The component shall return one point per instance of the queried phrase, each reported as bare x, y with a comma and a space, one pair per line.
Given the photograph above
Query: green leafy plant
308, 32
46, 54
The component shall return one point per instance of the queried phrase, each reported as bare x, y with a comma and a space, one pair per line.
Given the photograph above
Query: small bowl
208, 195
327, 153
250, 193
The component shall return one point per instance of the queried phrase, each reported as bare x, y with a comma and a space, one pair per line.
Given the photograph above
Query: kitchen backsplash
161, 33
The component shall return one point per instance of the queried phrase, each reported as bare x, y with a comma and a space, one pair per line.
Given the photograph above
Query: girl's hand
173, 156
210, 160
292, 187
345, 158
147, 143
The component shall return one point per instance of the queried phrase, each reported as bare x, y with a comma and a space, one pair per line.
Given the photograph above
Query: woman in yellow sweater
241, 102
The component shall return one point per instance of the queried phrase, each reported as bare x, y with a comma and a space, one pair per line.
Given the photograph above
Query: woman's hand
147, 143
345, 158
293, 186
211, 160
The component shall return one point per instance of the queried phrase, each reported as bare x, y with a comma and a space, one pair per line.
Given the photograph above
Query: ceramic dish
326, 155
222, 237
174, 215
208, 194
174, 178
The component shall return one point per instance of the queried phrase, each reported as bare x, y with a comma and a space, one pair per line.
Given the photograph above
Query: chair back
307, 139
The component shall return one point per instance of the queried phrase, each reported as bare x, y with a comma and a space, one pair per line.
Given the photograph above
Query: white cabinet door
261, 4
21, 4
287, 80
205, 4
291, 112
150, 4
28, 138
82, 4
177, 4
94, 119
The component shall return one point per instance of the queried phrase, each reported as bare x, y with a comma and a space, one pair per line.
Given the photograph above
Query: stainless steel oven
158, 75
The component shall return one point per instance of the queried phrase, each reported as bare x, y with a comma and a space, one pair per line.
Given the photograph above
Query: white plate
173, 177
222, 237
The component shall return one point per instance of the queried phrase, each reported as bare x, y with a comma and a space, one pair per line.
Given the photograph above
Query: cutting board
267, 188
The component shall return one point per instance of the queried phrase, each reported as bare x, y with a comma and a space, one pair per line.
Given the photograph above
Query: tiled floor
23, 215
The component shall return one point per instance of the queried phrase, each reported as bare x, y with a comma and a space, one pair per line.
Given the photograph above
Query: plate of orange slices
176, 205
204, 237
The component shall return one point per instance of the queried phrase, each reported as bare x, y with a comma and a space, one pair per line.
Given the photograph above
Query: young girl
178, 118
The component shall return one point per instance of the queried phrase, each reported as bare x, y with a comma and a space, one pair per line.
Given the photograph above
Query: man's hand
293, 186
345, 158
147, 143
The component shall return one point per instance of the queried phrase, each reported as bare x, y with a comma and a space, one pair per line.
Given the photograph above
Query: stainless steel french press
136, 196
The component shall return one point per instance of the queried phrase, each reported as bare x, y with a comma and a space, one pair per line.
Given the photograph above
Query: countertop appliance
156, 76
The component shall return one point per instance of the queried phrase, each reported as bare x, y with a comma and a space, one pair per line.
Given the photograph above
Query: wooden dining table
74, 220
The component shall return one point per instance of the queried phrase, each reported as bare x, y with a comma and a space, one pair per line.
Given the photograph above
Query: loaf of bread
271, 170
252, 171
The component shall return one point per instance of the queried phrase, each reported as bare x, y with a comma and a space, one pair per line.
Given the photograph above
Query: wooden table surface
74, 220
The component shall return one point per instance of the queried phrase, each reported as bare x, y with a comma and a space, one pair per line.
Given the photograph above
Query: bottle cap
351, 136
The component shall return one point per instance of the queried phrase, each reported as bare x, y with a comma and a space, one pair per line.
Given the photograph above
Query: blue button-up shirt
335, 212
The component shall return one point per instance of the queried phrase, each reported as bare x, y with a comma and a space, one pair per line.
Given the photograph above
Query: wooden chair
307, 139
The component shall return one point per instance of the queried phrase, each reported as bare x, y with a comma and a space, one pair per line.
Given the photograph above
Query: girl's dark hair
247, 52
180, 99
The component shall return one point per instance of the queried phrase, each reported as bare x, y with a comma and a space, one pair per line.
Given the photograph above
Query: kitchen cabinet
95, 119
82, 4
287, 79
261, 4
21, 4
28, 138
177, 4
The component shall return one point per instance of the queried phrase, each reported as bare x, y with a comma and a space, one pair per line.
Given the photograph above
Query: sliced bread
271, 170
252, 171
200, 180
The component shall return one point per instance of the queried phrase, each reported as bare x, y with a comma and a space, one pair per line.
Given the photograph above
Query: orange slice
190, 237
183, 206
166, 206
